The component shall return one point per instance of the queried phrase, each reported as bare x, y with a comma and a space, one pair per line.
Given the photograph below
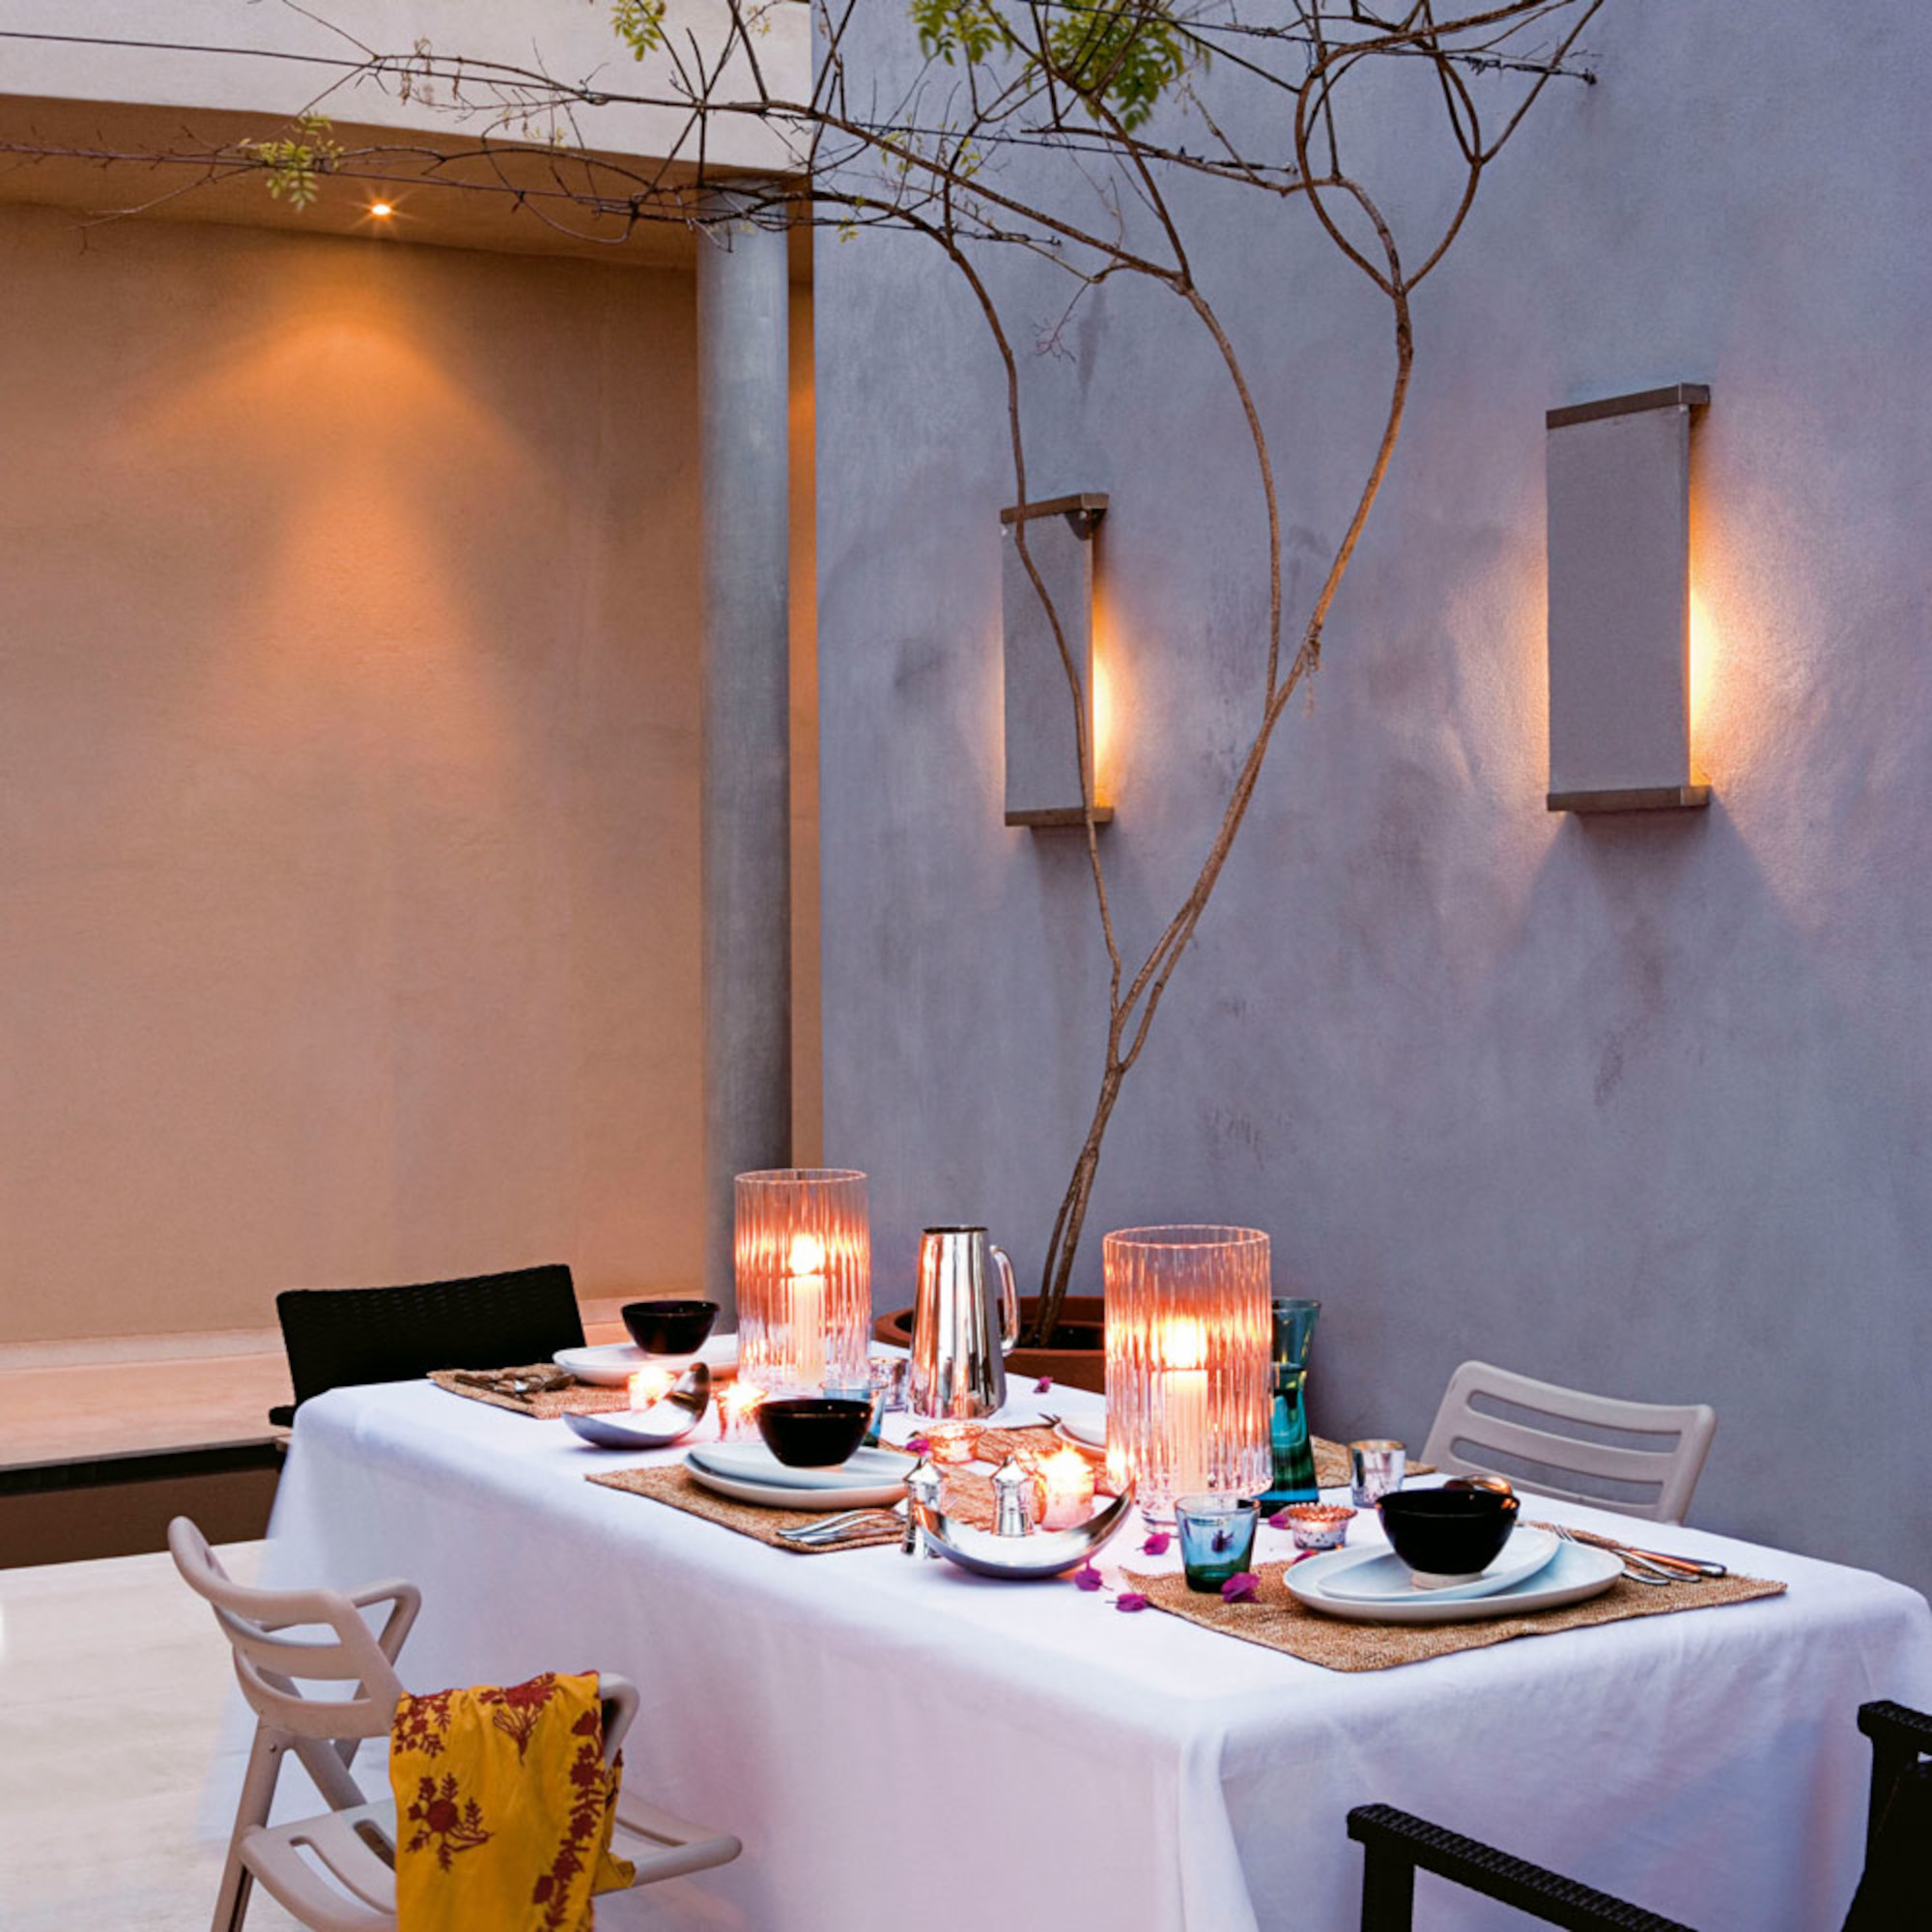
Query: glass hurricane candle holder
1188, 1370
803, 1256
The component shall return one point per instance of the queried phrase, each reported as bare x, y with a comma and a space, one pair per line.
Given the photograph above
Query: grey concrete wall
1644, 1105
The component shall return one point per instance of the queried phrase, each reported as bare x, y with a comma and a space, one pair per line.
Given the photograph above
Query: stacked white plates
613, 1364
748, 1472
1535, 1572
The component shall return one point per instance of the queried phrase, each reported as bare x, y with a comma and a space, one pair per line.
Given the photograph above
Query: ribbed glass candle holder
1188, 1333
804, 1264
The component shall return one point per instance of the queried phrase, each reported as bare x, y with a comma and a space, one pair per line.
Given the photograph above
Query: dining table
905, 1747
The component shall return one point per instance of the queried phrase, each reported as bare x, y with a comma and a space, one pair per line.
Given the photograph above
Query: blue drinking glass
1217, 1537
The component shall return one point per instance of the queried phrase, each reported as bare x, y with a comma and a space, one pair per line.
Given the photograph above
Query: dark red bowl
813, 1431
669, 1328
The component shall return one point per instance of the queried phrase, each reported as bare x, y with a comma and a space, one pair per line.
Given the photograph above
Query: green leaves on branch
950, 28
638, 24
1120, 54
297, 160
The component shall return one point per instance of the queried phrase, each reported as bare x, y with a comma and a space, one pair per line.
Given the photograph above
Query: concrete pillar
744, 403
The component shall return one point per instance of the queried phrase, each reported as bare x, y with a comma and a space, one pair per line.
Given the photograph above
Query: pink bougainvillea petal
1044, 1384
1281, 1519
1241, 1587
919, 1445
1087, 1578
1131, 1599
1157, 1544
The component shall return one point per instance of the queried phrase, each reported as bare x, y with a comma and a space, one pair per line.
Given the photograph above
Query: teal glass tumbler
1217, 1537
1290, 1446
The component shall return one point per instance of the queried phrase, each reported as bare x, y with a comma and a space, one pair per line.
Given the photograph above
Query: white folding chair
335, 1872
1564, 1442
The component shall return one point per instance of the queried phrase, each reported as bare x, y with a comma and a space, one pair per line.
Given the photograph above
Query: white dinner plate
1382, 1576
775, 1495
613, 1364
1574, 1573
754, 1463
1088, 1431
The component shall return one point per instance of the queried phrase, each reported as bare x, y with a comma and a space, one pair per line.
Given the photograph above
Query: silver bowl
1020, 1559
669, 1419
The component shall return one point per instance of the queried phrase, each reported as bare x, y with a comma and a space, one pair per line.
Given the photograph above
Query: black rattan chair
1894, 1895
341, 1337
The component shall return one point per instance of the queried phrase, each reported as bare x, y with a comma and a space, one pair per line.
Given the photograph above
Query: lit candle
1183, 1386
737, 1402
952, 1444
805, 1286
650, 1386
1064, 1489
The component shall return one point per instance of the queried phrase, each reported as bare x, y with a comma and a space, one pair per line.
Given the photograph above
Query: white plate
774, 1496
1574, 1573
1089, 1431
613, 1363
1384, 1577
753, 1462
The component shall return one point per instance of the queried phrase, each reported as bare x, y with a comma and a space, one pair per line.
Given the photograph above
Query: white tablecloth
902, 1746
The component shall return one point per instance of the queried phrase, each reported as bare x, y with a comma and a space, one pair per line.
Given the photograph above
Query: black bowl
669, 1328
1448, 1533
813, 1431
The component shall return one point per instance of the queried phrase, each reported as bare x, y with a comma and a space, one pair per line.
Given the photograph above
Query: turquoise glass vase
1289, 1442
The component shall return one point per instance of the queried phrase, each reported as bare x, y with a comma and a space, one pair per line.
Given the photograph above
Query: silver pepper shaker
1009, 1499
922, 1487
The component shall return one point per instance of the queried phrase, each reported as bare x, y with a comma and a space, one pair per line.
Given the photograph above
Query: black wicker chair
340, 1337
1894, 1895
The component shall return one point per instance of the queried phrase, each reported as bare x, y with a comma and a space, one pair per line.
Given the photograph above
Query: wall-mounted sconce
1043, 746
1619, 483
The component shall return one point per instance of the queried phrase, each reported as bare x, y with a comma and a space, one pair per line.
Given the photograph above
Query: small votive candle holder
738, 1410
1217, 1537
952, 1444
1063, 1490
1318, 1525
1376, 1470
649, 1386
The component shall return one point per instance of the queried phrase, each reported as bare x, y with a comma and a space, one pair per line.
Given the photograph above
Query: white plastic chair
1532, 1448
335, 1872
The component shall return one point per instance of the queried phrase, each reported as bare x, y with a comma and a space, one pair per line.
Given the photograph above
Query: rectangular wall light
1619, 488
1042, 743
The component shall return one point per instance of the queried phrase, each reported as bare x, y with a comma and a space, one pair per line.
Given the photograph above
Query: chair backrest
341, 1337
1641, 1458
273, 1659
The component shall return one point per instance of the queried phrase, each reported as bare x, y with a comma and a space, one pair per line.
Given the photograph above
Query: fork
1658, 1578
838, 1528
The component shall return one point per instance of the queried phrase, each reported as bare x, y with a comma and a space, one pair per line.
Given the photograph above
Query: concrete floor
113, 1680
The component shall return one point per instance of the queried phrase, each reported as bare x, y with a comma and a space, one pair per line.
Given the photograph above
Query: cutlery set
1646, 1566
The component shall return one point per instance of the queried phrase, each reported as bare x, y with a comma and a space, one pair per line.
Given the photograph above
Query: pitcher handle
1009, 1303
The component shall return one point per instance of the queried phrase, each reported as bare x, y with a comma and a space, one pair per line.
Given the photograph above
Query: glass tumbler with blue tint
1289, 1442
1217, 1537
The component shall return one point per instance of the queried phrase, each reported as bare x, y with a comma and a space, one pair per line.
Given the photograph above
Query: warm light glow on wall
1100, 723
1703, 662
381, 209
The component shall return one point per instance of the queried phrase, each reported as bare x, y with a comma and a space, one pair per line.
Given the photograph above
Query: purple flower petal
1087, 1578
1241, 1587
919, 1445
1157, 1544
1044, 1384
1281, 1519
1131, 1599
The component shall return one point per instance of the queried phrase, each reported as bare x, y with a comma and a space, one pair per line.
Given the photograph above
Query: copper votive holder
1319, 1525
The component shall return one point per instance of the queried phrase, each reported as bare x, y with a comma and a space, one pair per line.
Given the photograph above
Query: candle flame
740, 1398
1182, 1344
649, 1385
806, 1257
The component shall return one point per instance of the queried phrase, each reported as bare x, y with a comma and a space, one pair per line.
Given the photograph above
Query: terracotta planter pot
1077, 1355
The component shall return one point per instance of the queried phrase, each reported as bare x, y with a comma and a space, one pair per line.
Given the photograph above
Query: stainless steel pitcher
959, 1344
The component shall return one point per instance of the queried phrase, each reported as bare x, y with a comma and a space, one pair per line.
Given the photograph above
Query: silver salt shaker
1010, 1484
922, 1487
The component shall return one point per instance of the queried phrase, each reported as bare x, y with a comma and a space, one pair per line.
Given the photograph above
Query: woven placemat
962, 1493
574, 1398
1277, 1622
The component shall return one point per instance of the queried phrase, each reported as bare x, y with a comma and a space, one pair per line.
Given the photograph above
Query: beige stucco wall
349, 697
